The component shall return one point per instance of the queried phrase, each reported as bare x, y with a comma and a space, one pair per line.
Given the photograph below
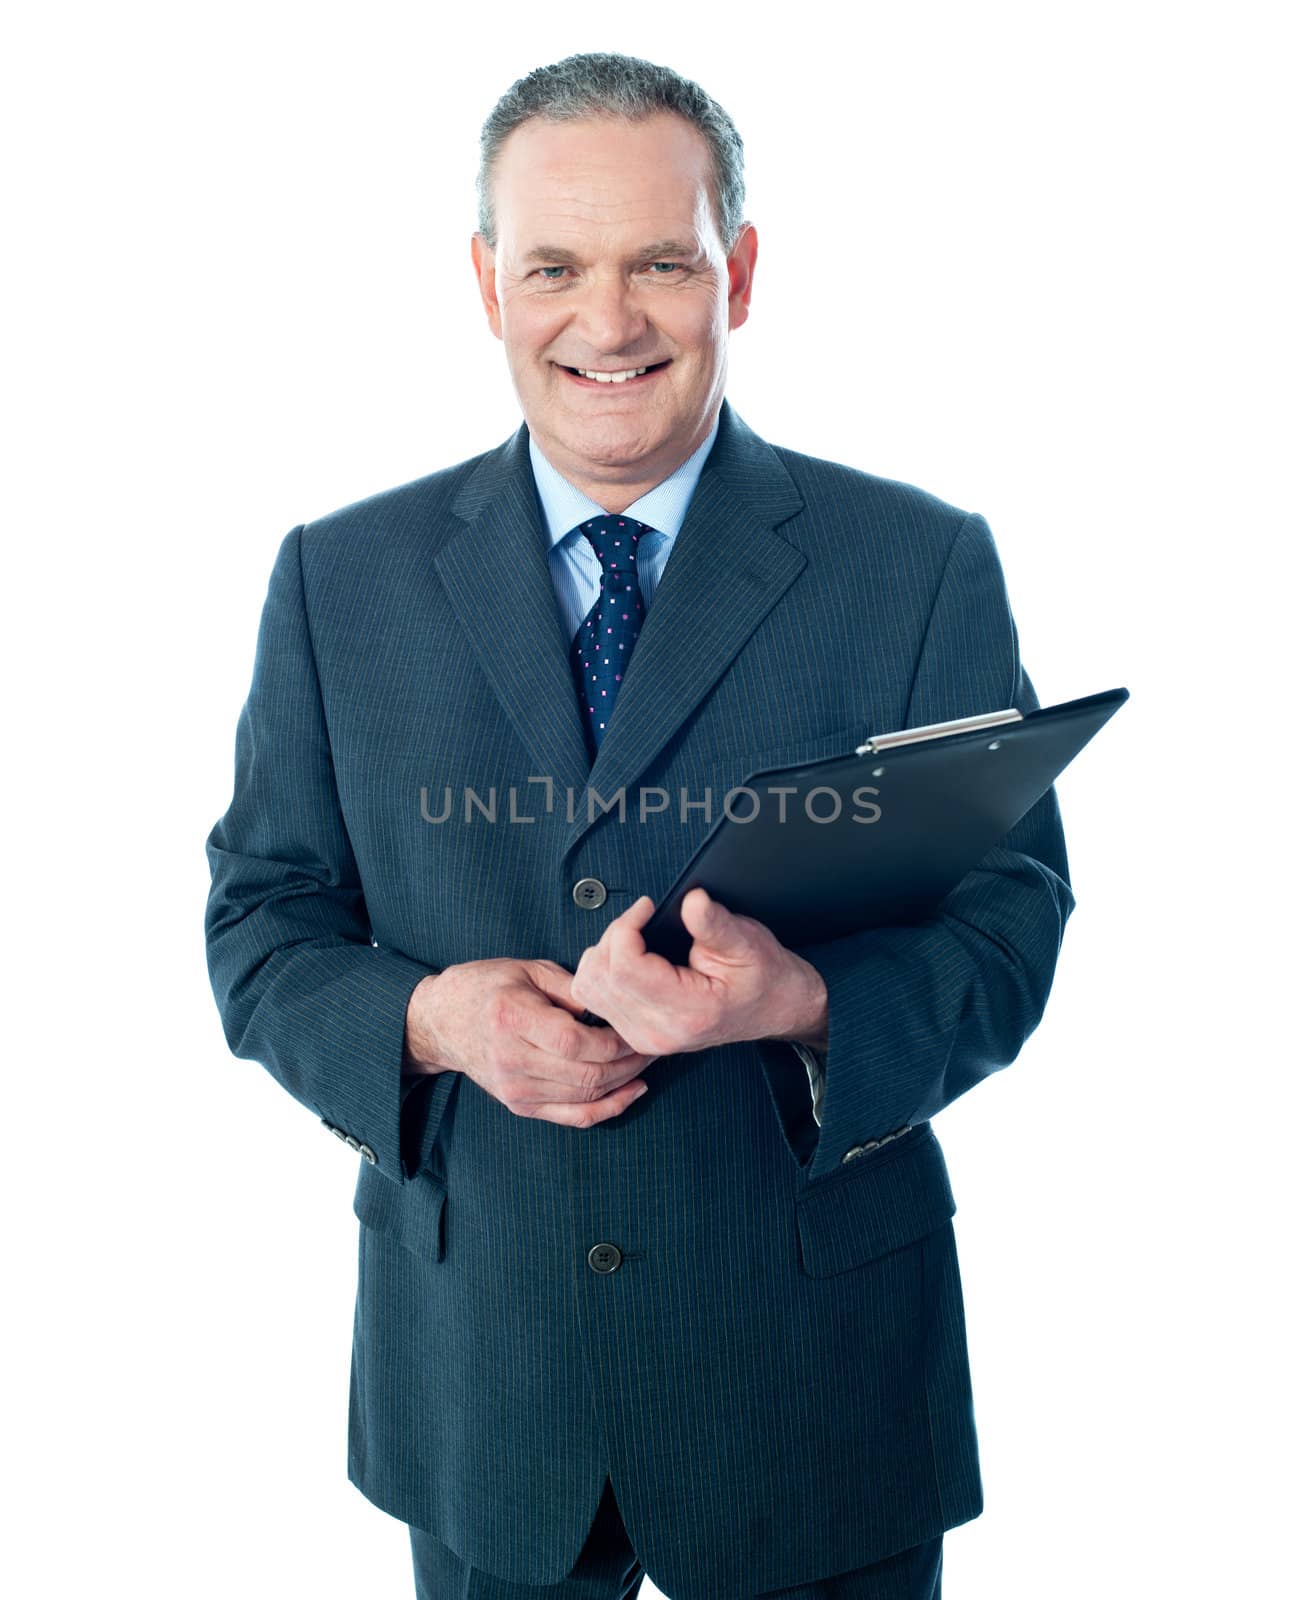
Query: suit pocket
878, 1203
412, 1214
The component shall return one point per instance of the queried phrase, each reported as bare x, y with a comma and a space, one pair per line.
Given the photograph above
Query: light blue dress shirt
577, 576
576, 571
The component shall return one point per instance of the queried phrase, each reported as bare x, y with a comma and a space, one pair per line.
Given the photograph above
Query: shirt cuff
817, 1078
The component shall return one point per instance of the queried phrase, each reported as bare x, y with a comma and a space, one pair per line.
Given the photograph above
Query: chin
612, 447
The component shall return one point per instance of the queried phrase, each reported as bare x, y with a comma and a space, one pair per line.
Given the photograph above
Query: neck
608, 485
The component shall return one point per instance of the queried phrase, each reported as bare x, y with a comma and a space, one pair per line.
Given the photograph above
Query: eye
670, 266
552, 269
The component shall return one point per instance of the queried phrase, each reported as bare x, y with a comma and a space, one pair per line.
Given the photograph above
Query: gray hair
603, 84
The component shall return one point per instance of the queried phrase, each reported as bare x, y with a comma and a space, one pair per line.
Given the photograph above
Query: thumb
709, 922
640, 913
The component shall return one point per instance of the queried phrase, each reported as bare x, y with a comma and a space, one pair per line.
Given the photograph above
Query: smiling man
603, 270
715, 1334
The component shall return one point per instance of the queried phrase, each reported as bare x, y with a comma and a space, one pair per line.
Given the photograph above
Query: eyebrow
557, 255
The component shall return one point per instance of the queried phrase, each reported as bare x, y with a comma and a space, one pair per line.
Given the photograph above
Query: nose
609, 316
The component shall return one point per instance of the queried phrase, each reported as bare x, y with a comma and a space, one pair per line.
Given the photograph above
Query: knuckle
591, 1080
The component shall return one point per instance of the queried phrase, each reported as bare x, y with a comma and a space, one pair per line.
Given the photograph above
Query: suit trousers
608, 1569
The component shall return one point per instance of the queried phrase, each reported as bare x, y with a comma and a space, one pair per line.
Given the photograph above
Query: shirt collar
663, 507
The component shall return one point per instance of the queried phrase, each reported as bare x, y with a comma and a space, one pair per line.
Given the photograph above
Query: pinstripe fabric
776, 1376
608, 1569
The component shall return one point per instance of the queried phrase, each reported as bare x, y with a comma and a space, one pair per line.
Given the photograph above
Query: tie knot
615, 540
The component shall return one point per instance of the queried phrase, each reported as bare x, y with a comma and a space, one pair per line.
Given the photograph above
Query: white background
1026, 256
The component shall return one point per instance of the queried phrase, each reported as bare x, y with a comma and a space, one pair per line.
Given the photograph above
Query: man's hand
741, 982
511, 1027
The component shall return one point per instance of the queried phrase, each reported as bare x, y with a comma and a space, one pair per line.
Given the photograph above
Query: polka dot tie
601, 647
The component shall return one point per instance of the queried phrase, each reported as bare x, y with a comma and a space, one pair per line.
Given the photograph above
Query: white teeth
611, 377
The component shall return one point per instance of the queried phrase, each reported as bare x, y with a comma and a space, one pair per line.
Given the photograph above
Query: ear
741, 274
483, 264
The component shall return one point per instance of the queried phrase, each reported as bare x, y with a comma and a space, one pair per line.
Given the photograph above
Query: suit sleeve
299, 981
919, 1014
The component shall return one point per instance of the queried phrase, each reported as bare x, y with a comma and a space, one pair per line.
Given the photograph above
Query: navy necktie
605, 639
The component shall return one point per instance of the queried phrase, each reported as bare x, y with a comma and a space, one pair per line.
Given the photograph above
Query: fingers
591, 1112
559, 1033
542, 1062
554, 983
503, 1023
571, 1060
532, 1083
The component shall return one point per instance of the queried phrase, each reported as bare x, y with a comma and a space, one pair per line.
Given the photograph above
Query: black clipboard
878, 836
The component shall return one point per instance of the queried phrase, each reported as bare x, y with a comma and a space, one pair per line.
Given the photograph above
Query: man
716, 1334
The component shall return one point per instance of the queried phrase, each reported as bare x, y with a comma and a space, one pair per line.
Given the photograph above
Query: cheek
700, 329
528, 327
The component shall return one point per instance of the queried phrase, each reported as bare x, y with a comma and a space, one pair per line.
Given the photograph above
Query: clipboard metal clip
937, 730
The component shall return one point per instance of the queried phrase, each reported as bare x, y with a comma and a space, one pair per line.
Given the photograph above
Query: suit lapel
497, 576
728, 568
726, 571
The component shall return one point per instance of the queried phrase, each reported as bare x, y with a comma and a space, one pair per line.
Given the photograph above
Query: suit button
352, 1141
339, 1133
854, 1150
604, 1258
589, 893
369, 1154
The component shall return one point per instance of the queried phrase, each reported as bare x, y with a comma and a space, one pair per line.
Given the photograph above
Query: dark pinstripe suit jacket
776, 1375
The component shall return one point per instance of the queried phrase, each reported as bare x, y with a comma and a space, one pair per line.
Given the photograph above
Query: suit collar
727, 570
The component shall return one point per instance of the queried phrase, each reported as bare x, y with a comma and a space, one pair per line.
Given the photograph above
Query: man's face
608, 259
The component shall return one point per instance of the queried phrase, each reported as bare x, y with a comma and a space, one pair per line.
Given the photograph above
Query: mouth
625, 378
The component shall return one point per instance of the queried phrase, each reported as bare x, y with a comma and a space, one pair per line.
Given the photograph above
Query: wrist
421, 1051
809, 1024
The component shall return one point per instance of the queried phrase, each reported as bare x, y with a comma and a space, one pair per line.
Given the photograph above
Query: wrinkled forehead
604, 182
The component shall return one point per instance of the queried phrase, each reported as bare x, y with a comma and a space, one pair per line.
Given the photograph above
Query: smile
627, 377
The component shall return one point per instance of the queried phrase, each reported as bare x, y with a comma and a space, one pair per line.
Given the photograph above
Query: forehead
564, 179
